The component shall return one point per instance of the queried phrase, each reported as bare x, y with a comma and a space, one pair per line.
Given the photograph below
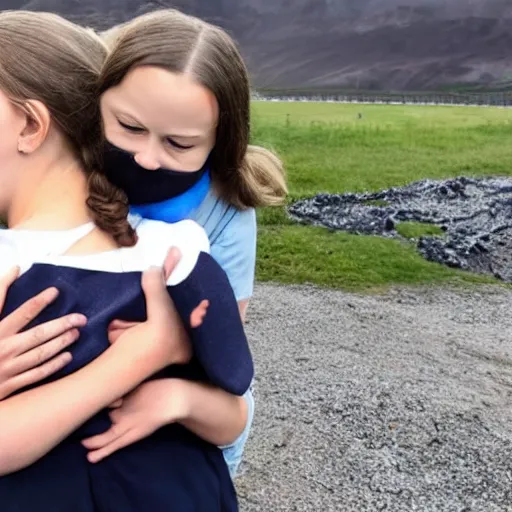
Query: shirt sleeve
235, 251
219, 342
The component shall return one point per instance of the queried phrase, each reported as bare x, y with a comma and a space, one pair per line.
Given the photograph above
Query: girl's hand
31, 356
118, 327
151, 406
161, 340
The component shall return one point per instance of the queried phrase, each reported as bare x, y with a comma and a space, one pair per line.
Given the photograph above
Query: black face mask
141, 185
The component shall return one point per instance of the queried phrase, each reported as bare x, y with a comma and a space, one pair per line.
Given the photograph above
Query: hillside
365, 44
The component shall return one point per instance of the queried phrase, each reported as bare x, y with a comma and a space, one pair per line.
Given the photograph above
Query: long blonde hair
244, 175
47, 58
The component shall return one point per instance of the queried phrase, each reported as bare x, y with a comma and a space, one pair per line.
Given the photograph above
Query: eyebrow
174, 136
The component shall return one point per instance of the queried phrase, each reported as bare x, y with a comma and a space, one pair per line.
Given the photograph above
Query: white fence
499, 99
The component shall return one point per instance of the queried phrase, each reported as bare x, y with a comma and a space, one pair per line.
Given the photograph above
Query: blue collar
177, 208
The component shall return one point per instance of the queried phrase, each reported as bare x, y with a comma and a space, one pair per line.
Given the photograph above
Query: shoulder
235, 251
156, 238
223, 222
240, 229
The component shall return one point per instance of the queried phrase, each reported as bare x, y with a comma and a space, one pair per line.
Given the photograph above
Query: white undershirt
26, 247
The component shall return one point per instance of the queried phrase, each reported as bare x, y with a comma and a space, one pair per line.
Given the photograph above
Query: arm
242, 307
209, 412
34, 422
234, 249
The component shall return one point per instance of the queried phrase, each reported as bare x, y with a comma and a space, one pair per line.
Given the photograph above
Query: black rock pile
475, 215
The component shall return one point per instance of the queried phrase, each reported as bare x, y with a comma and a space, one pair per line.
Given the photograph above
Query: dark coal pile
475, 215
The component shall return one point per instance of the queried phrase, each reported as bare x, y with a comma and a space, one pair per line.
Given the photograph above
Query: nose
147, 158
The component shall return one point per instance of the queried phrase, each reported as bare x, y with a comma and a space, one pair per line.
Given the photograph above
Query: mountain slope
366, 44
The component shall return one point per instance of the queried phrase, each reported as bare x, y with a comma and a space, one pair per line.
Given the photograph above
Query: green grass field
329, 148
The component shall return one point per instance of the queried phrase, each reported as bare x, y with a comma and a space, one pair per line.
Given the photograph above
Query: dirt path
399, 402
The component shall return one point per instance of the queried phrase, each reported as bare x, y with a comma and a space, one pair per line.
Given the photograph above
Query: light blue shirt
232, 235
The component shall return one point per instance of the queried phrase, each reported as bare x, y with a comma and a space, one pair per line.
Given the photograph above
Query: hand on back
31, 356
162, 339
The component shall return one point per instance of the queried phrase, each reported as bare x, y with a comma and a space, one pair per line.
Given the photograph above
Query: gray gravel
399, 402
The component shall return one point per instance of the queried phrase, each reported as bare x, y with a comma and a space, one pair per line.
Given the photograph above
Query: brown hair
245, 176
47, 58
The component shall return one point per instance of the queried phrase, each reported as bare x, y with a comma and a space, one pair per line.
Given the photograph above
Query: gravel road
397, 402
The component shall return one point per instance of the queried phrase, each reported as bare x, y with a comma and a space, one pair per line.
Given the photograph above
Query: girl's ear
37, 126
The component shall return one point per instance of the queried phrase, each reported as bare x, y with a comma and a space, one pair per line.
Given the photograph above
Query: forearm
242, 307
211, 413
34, 422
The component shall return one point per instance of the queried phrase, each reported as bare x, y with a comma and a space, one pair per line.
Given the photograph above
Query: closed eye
131, 128
177, 145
